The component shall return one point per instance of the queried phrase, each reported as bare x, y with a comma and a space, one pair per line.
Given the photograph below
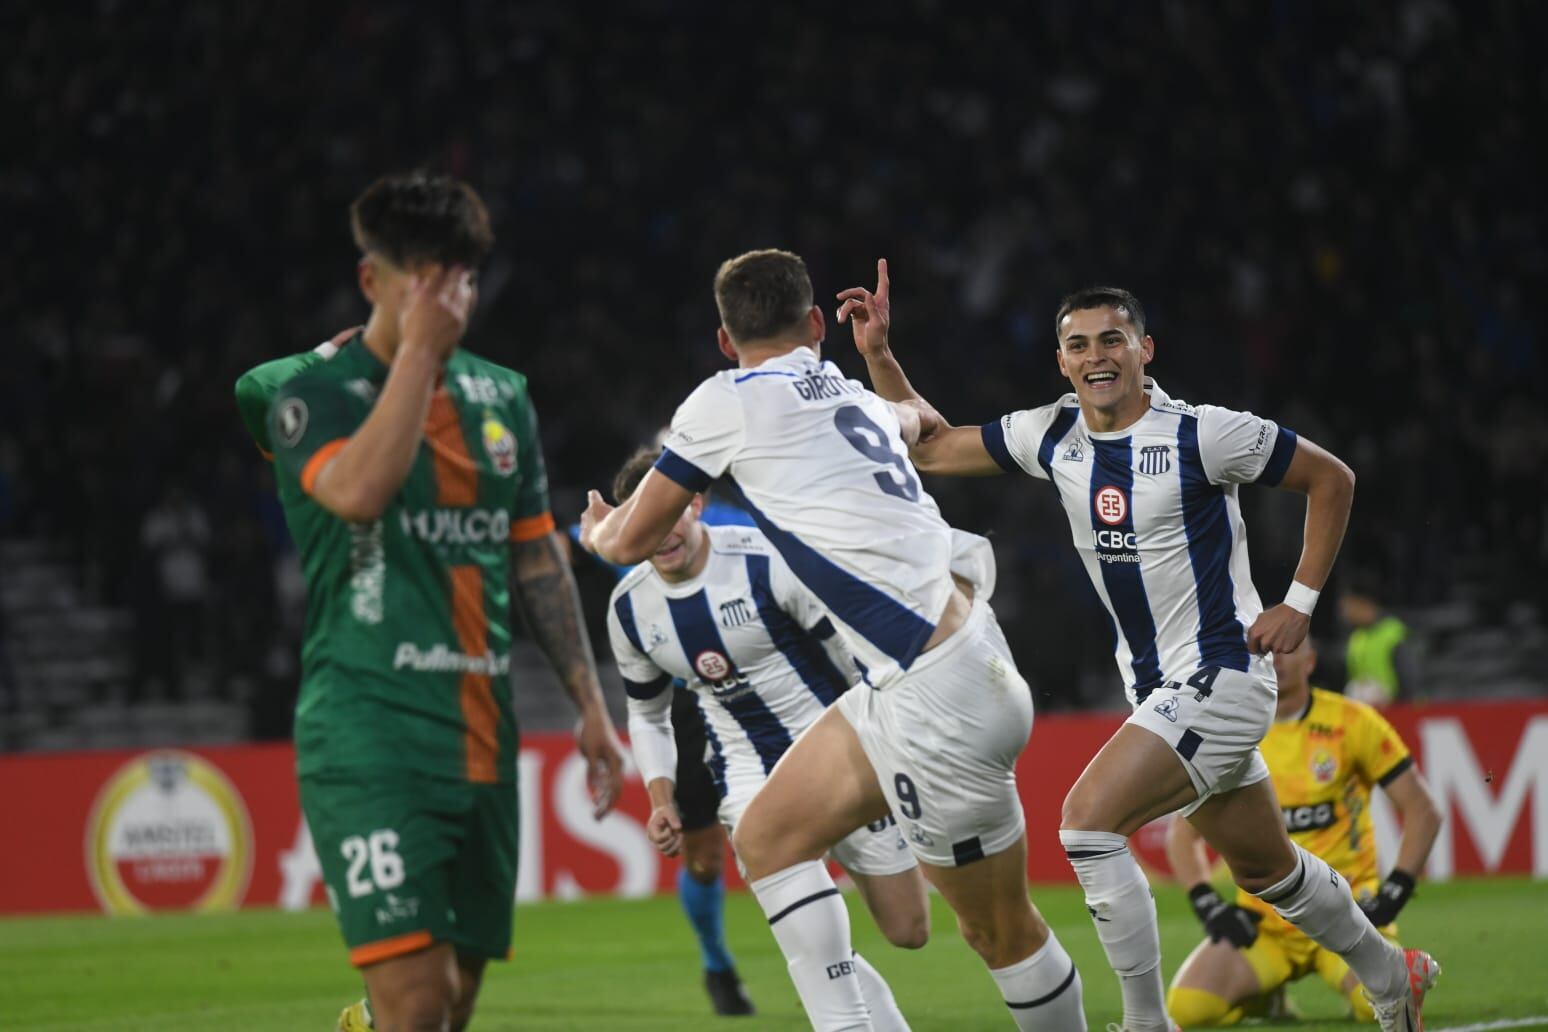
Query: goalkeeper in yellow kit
1324, 752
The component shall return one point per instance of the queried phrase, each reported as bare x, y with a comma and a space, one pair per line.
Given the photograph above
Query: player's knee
909, 930
705, 861
422, 1009
1197, 1008
1080, 812
999, 943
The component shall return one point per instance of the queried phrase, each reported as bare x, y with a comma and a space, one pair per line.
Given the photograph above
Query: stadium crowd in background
1338, 231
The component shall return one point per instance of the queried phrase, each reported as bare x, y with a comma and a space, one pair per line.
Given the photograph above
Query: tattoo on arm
551, 604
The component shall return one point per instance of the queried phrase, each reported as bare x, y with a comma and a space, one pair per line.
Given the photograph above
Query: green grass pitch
632, 965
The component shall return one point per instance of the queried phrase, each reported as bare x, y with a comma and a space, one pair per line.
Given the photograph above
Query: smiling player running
1149, 485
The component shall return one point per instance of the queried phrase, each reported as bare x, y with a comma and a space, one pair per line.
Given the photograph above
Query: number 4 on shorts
380, 851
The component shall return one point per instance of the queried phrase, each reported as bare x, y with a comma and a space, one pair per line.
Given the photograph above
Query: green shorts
411, 863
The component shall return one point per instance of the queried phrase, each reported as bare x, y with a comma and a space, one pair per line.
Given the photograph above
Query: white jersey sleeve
649, 690
1015, 439
640, 673
707, 432
1241, 448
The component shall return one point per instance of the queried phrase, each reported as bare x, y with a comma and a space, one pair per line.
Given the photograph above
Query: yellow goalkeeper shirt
1323, 764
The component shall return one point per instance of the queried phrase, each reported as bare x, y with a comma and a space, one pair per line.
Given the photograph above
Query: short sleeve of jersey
256, 388
705, 436
532, 505
308, 423
642, 678
1379, 751
1241, 448
1015, 440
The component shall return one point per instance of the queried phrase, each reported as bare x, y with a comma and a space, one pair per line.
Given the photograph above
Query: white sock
811, 924
1043, 991
885, 1016
1316, 899
1120, 902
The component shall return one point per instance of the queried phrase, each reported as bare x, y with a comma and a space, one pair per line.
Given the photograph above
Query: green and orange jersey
255, 389
408, 624
1324, 764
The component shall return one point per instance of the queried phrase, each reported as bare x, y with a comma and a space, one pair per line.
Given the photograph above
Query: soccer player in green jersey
411, 477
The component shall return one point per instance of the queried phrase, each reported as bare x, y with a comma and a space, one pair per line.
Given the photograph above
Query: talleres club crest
499, 445
168, 831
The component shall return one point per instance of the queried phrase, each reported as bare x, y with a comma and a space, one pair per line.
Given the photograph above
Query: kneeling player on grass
410, 474
717, 608
1324, 752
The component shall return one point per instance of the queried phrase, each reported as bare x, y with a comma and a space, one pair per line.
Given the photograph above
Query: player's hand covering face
436, 308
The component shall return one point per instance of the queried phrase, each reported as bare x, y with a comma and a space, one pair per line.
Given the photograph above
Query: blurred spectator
175, 537
1379, 662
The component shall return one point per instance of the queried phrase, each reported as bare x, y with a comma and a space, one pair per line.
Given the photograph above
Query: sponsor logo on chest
1114, 543
457, 526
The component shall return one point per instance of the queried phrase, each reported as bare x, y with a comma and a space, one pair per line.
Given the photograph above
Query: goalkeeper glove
1394, 893
1222, 920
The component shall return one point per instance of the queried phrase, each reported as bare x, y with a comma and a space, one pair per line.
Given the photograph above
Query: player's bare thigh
822, 789
1245, 827
900, 904
1134, 778
1221, 969
989, 897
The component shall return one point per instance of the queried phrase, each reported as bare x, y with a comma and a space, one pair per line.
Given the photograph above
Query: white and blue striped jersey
819, 463
746, 636
1154, 515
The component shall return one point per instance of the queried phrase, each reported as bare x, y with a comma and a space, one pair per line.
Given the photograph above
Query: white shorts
875, 849
1215, 719
944, 738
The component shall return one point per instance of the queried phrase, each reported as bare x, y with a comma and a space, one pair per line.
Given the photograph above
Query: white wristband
1301, 598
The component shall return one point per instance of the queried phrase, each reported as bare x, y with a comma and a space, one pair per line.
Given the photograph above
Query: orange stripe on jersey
531, 528
386, 949
268, 456
480, 714
320, 458
456, 475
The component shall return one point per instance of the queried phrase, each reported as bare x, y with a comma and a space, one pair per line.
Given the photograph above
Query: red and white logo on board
712, 666
1112, 505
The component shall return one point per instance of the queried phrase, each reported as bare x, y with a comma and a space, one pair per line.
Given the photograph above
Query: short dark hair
414, 218
628, 478
1101, 297
762, 294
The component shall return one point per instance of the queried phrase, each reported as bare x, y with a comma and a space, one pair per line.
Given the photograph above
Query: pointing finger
883, 284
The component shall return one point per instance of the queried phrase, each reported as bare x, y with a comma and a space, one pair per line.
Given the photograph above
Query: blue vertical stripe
1113, 466
697, 634
716, 760
1207, 523
1056, 430
625, 610
799, 647
894, 629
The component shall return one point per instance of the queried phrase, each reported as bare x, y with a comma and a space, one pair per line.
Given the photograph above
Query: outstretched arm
1328, 485
631, 532
551, 603
940, 447
1421, 818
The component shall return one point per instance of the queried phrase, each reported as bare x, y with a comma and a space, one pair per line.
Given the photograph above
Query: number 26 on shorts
379, 851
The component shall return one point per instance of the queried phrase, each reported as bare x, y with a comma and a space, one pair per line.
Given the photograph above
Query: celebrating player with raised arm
411, 475
820, 464
1149, 485
1325, 753
717, 608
